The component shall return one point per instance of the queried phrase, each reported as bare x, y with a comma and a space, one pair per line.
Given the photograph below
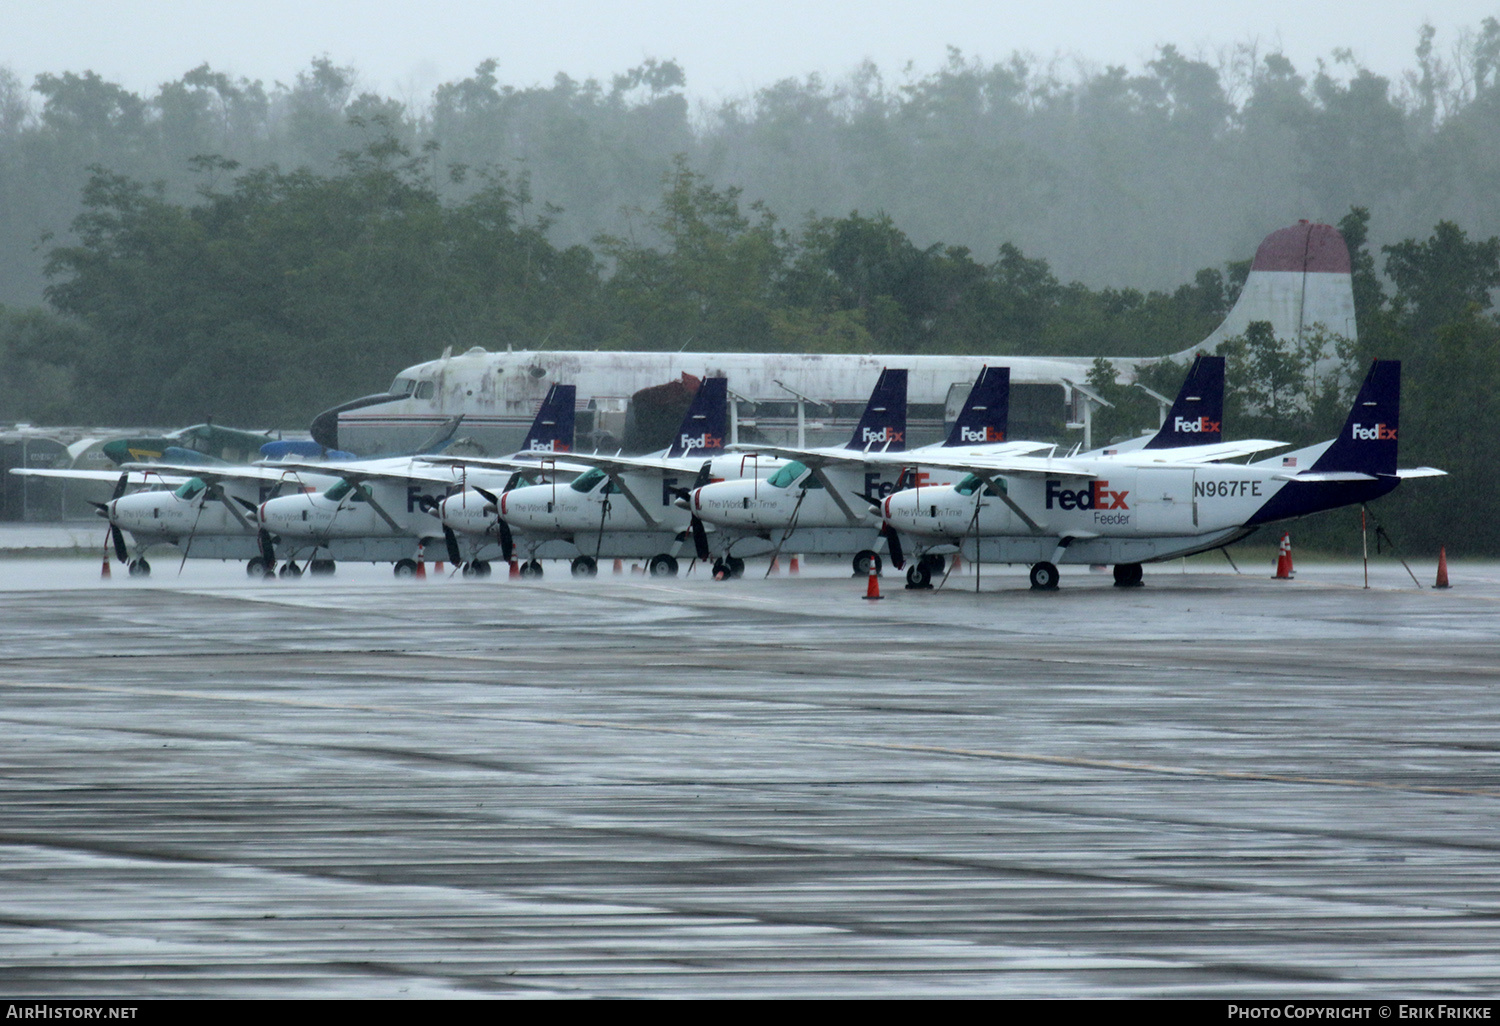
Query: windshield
343, 488
784, 477
190, 488
403, 386
589, 480
973, 481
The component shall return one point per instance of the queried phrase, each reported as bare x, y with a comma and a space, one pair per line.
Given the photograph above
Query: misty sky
729, 48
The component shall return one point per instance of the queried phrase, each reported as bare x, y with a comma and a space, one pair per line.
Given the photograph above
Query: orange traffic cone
437, 567
104, 571
1442, 577
958, 564
619, 566
872, 591
1284, 558
515, 570
795, 567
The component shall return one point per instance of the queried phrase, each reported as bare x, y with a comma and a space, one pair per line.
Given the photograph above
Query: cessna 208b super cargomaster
623, 507
818, 500
388, 509
1299, 278
1152, 504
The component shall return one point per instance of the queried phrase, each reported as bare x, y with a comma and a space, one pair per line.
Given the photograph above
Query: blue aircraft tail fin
552, 430
1198, 412
1367, 444
883, 426
986, 413
707, 422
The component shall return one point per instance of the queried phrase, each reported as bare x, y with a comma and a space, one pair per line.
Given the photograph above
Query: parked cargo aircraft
1130, 509
819, 500
388, 509
626, 506
1299, 278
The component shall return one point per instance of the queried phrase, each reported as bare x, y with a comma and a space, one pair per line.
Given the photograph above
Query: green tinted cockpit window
586, 481
784, 477
343, 488
190, 489
973, 481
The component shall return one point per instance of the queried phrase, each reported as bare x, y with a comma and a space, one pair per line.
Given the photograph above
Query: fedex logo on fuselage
552, 446
1096, 496
984, 434
703, 441
1199, 426
1374, 433
885, 435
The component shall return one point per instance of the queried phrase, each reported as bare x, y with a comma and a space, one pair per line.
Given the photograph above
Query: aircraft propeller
507, 540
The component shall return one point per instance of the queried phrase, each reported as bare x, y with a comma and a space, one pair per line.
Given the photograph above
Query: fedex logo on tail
703, 441
1199, 426
984, 434
1096, 496
1373, 433
552, 446
885, 435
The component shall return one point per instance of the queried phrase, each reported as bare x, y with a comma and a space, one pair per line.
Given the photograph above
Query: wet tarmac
1214, 786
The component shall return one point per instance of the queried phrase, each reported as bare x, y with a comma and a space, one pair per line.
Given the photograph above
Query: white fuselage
498, 393
1125, 514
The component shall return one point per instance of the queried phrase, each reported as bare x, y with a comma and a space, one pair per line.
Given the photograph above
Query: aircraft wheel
256, 567
736, 566
585, 566
863, 560
481, 567
919, 575
662, 565
290, 570
721, 570
935, 565
406, 568
1044, 576
1128, 575
532, 568
322, 567
471, 569
139, 568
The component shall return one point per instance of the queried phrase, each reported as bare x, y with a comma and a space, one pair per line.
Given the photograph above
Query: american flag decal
1288, 461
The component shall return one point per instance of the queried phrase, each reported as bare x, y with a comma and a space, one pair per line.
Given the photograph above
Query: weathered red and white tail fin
1300, 278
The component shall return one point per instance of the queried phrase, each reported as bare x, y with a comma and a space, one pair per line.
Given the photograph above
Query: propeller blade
894, 541
454, 555
489, 496
121, 485
118, 537
267, 548
700, 539
507, 543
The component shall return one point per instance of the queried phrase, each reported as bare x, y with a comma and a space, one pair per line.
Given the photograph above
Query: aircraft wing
812, 458
509, 463
224, 472
400, 470
1212, 453
634, 464
135, 477
985, 464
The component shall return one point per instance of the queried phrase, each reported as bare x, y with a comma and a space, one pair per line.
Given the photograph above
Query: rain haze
728, 49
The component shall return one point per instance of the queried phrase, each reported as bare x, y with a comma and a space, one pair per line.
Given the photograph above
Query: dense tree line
1113, 177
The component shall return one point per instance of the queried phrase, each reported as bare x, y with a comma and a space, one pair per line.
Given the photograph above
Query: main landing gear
1044, 576
863, 560
139, 568
1128, 575
662, 565
585, 566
